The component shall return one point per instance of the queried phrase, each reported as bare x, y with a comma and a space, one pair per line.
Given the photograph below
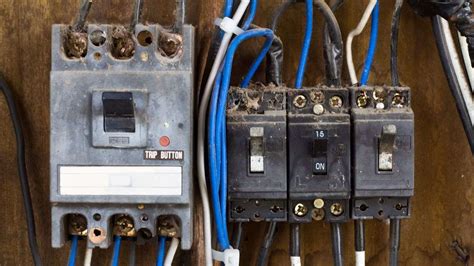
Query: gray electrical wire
394, 241
394, 43
137, 14
180, 14
132, 260
267, 244
83, 13
337, 244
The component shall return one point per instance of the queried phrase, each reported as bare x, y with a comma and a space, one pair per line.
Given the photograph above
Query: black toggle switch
320, 151
119, 112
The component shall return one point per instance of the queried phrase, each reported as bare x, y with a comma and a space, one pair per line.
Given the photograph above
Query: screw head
141, 206
336, 101
318, 109
318, 214
398, 100
299, 101
337, 209
379, 94
300, 210
318, 203
362, 101
317, 97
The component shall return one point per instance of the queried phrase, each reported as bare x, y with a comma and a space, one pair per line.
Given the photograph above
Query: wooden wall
443, 208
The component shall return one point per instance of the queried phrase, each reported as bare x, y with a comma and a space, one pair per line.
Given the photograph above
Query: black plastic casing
257, 196
305, 127
380, 193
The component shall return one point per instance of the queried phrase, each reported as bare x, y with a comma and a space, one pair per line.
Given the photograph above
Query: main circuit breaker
257, 159
383, 152
319, 154
121, 133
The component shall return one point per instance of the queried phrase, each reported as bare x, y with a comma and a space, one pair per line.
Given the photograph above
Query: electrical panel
121, 133
383, 152
319, 153
257, 155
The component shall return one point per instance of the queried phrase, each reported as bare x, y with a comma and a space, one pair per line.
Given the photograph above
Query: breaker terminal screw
336, 102
362, 101
300, 210
379, 94
124, 225
317, 97
300, 101
398, 100
77, 224
318, 203
337, 209
318, 214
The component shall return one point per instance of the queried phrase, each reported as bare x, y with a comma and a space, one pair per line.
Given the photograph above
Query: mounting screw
300, 101
362, 101
318, 203
318, 214
300, 210
317, 97
318, 109
398, 100
337, 209
336, 101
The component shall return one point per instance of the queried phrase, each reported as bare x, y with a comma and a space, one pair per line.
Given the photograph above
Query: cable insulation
306, 45
116, 252
88, 257
73, 251
394, 43
372, 46
266, 244
337, 244
171, 252
394, 241
160, 260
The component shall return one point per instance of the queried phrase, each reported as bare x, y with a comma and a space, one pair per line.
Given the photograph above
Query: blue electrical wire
160, 260
251, 14
217, 133
306, 45
372, 45
116, 254
73, 252
228, 8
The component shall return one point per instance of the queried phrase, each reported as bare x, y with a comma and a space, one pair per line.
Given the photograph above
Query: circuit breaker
383, 152
121, 133
319, 153
257, 159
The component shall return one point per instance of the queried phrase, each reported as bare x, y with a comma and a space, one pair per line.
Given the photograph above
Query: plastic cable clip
229, 25
230, 257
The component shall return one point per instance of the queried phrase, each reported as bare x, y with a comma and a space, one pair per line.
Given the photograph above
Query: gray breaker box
120, 166
256, 144
383, 152
319, 154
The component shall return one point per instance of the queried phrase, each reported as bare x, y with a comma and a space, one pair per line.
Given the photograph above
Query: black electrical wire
137, 14
83, 13
267, 244
359, 235
295, 240
180, 14
453, 82
394, 241
132, 257
274, 61
332, 64
334, 54
394, 43
337, 244
25, 188
237, 235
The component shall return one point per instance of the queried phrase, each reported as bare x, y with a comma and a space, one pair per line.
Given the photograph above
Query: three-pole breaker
257, 154
319, 154
383, 152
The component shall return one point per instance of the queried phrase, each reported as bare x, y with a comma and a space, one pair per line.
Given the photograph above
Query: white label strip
122, 181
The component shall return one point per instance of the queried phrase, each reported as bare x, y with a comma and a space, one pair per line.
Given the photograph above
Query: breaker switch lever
386, 147
119, 112
257, 163
320, 152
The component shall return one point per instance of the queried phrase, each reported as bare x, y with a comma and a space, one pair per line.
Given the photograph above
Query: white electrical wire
458, 69
358, 30
88, 257
360, 258
202, 132
467, 59
171, 252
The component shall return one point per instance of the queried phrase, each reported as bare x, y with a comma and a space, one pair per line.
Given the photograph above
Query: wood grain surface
443, 207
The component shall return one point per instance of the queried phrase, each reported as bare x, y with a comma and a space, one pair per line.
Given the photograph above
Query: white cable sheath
88, 257
467, 59
360, 258
295, 261
202, 132
171, 252
358, 30
458, 69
